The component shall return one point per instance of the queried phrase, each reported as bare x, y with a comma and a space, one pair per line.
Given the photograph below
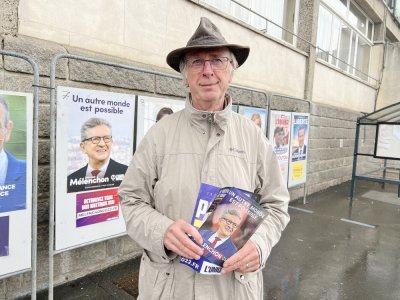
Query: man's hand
245, 260
176, 240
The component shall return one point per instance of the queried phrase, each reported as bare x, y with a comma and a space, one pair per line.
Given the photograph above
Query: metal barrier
35, 86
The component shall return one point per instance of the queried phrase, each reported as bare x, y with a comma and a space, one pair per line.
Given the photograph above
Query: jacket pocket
248, 286
155, 279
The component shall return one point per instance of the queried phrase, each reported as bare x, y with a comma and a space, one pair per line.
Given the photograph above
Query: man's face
301, 137
5, 129
228, 225
208, 85
257, 121
97, 153
278, 139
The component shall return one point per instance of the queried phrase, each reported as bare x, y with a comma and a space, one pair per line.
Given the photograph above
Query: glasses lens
95, 140
107, 139
218, 63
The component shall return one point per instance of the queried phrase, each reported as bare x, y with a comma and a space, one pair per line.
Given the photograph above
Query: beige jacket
161, 185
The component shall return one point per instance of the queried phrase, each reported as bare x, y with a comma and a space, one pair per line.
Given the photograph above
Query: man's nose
207, 68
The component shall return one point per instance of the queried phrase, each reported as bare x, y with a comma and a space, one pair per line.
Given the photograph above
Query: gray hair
232, 212
7, 113
91, 123
183, 70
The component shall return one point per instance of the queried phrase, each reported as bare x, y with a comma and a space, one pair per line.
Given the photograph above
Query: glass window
335, 42
357, 19
340, 6
363, 57
256, 13
323, 35
241, 12
344, 49
338, 41
370, 30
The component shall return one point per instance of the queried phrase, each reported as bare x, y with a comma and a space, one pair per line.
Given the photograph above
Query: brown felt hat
206, 36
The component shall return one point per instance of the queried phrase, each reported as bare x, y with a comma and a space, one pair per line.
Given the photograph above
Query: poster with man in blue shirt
12, 169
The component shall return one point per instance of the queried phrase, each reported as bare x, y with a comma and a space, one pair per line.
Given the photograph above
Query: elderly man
12, 170
101, 171
206, 142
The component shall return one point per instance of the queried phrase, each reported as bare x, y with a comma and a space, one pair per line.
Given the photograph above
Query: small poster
279, 135
257, 115
298, 149
95, 132
16, 131
387, 144
152, 110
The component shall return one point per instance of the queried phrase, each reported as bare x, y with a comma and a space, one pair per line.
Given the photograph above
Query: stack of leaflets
226, 218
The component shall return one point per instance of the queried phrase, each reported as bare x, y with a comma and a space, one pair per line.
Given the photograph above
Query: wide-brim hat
206, 36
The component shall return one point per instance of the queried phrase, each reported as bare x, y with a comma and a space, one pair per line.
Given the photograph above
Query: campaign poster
16, 139
153, 109
257, 115
94, 147
387, 142
279, 135
298, 148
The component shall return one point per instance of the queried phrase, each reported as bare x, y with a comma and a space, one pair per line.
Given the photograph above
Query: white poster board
279, 135
148, 108
298, 149
256, 114
387, 143
87, 207
15, 182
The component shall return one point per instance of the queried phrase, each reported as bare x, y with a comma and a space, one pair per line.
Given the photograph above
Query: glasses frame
225, 60
91, 139
230, 223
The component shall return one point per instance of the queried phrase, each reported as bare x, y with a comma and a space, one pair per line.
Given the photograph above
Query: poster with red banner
95, 132
279, 135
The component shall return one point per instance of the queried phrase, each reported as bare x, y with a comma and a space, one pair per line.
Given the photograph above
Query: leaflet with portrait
226, 218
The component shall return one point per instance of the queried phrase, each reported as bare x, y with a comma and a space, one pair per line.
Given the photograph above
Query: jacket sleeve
274, 198
144, 224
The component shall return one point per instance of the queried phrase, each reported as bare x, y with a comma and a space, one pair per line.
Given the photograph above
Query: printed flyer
233, 215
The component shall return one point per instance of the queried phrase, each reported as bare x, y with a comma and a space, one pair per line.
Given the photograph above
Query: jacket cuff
158, 241
262, 255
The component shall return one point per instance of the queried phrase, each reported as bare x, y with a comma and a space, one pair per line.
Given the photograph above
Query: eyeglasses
96, 139
216, 63
230, 223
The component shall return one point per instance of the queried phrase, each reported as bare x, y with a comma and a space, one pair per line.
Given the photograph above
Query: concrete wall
334, 86
119, 29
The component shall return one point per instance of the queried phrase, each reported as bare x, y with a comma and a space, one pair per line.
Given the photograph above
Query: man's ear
82, 146
9, 129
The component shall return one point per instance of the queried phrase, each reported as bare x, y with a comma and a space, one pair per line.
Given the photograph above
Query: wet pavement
328, 251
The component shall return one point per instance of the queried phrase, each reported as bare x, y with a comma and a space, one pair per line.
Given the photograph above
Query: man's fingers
176, 240
245, 260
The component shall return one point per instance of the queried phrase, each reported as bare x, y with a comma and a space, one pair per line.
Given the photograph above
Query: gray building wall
331, 138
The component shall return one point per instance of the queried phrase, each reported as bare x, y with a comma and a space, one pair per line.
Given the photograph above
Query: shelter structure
386, 122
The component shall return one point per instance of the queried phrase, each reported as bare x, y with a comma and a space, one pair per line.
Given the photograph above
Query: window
262, 14
344, 37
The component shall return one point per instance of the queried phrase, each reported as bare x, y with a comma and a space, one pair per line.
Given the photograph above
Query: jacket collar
219, 118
